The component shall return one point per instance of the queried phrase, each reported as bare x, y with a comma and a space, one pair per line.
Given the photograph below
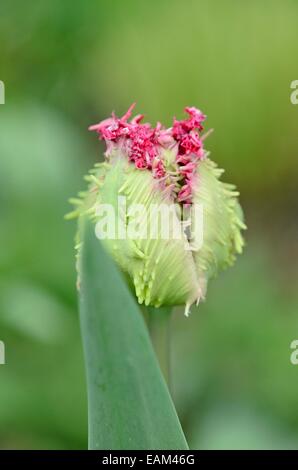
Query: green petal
222, 220
166, 273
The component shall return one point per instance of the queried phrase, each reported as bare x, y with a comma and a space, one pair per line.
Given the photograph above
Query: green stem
160, 332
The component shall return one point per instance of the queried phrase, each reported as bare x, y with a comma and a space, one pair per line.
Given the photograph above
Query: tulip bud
143, 198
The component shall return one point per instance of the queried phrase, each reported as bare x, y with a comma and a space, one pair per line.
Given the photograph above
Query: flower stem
159, 327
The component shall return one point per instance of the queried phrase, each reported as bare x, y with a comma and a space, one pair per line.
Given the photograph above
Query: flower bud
143, 199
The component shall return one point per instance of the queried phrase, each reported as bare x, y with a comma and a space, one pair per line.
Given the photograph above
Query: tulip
157, 167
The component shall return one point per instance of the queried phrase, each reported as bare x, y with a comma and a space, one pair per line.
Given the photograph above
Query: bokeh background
67, 65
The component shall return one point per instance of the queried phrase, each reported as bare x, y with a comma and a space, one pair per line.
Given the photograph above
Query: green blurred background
69, 64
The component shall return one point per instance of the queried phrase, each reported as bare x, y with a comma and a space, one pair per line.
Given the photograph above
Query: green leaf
129, 403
